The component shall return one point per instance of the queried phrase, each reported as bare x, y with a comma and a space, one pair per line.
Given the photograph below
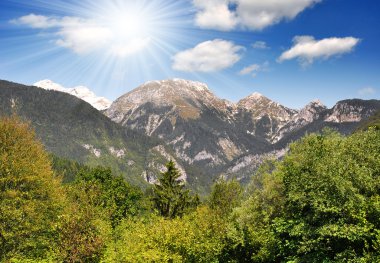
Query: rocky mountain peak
186, 97
252, 101
310, 112
261, 106
257, 96
317, 102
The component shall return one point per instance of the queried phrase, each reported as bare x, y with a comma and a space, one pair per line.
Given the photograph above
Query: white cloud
259, 14
82, 35
254, 69
36, 21
213, 55
83, 38
250, 14
215, 14
306, 49
367, 91
260, 45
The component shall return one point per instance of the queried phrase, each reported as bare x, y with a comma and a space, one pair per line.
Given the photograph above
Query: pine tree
171, 198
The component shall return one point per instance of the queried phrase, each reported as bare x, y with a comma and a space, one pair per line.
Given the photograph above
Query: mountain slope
73, 129
187, 115
174, 119
262, 117
215, 137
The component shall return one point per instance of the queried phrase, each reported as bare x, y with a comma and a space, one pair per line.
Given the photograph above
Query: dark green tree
225, 195
170, 197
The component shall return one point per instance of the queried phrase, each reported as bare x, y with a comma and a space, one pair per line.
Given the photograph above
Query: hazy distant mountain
82, 92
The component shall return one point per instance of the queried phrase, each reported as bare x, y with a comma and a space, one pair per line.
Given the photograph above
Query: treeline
321, 203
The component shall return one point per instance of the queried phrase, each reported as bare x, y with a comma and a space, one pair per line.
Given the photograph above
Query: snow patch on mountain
81, 92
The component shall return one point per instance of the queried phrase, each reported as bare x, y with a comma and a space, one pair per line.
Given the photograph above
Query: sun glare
129, 25
113, 39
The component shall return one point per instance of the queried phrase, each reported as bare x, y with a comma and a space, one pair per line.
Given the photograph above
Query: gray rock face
221, 137
188, 116
351, 111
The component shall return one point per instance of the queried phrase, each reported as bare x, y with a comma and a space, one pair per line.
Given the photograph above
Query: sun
128, 25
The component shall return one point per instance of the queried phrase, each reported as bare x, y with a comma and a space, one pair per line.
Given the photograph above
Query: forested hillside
70, 128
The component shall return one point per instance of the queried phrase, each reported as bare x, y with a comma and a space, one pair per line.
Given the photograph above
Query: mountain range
176, 119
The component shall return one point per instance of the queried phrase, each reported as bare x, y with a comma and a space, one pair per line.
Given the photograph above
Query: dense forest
320, 203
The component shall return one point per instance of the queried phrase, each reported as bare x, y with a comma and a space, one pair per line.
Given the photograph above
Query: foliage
320, 204
30, 196
225, 195
373, 121
85, 227
170, 197
197, 237
117, 197
65, 168
332, 186
253, 218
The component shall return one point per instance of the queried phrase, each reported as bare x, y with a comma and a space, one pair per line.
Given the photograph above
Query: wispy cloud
366, 91
306, 49
260, 45
36, 21
82, 36
250, 14
208, 56
254, 69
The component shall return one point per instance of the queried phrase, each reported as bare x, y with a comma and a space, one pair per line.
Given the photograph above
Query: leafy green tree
170, 197
332, 190
85, 227
253, 219
117, 197
225, 195
319, 204
31, 198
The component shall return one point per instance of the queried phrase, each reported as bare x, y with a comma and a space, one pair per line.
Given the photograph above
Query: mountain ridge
208, 137
220, 132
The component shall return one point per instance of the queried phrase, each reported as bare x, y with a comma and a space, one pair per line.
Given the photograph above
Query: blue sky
292, 51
